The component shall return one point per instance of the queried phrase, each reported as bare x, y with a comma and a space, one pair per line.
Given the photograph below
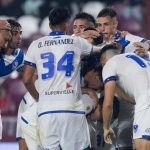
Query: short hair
13, 23
84, 15
58, 15
89, 63
109, 48
108, 11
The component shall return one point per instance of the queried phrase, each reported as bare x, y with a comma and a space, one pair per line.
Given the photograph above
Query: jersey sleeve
30, 55
85, 46
109, 71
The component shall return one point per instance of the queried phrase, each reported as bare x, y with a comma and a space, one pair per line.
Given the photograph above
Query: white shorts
1, 127
28, 125
141, 126
65, 130
25, 103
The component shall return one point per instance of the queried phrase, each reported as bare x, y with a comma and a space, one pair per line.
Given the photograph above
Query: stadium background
32, 15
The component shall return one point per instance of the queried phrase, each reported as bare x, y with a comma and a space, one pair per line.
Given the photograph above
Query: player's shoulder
133, 38
43, 38
116, 59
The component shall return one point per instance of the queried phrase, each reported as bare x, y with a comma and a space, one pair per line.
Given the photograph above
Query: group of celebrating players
94, 83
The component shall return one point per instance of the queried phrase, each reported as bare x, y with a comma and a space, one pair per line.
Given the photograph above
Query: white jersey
132, 74
57, 58
127, 42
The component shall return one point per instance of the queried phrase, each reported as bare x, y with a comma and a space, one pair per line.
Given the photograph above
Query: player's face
80, 24
5, 34
107, 26
16, 37
93, 79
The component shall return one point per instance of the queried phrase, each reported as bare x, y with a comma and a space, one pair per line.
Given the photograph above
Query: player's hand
141, 49
109, 135
89, 34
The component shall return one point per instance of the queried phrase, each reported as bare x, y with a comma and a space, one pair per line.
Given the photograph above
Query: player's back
134, 76
58, 65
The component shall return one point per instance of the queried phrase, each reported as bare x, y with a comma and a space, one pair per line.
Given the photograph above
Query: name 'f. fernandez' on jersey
57, 59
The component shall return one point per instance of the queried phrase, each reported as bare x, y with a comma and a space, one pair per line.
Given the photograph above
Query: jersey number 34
64, 64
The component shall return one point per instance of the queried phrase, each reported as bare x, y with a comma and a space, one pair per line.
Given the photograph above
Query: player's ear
115, 24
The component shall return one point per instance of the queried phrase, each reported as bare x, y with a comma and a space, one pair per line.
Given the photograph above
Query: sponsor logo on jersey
68, 85
59, 92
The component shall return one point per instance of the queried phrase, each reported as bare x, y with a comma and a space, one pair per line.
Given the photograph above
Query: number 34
61, 66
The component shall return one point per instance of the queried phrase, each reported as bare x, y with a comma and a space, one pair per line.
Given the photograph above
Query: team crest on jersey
15, 65
135, 128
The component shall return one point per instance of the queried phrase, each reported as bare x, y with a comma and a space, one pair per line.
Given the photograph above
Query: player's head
91, 72
107, 52
16, 34
59, 19
107, 22
82, 21
5, 33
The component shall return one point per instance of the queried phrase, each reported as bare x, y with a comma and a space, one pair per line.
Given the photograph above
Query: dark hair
13, 23
99, 39
89, 63
84, 15
58, 15
107, 48
107, 12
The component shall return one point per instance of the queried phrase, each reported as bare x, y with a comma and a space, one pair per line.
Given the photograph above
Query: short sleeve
85, 46
109, 71
30, 55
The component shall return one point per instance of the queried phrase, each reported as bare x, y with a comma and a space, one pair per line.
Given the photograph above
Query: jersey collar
56, 33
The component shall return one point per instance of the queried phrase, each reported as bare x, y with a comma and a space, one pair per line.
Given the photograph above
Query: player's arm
28, 81
109, 91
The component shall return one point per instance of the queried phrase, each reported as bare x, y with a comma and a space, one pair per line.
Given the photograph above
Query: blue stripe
24, 120
29, 63
19, 138
143, 40
124, 43
146, 137
61, 111
110, 79
24, 100
137, 60
56, 33
87, 148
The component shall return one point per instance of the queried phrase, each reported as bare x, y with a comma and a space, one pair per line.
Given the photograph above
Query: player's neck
9, 51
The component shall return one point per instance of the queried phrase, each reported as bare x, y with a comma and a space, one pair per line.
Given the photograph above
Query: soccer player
13, 56
107, 24
5, 36
10, 56
60, 109
134, 79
